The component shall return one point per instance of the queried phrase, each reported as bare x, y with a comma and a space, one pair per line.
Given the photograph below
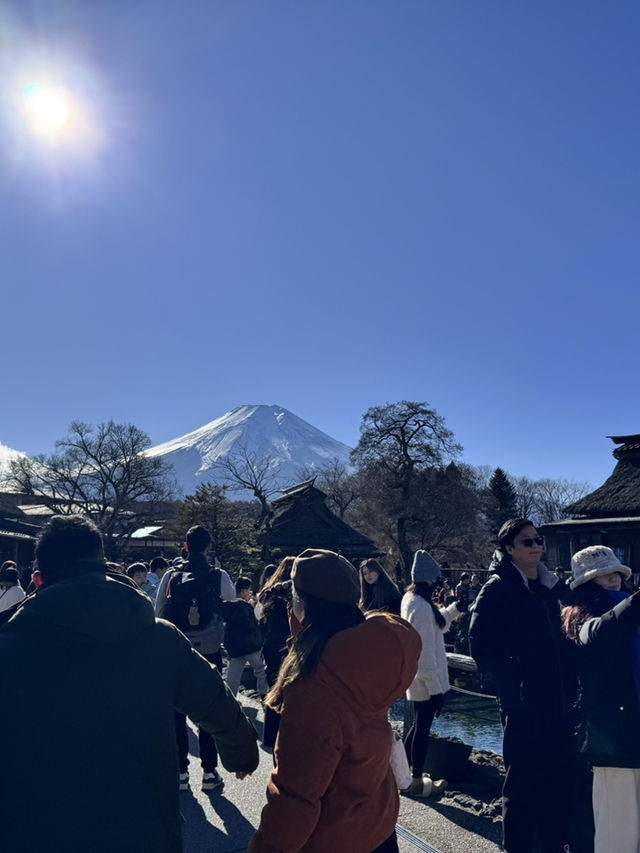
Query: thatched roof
620, 494
301, 519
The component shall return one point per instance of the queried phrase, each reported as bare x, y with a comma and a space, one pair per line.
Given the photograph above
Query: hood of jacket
372, 665
96, 608
196, 563
505, 567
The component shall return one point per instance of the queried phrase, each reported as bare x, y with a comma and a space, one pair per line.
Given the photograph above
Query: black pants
388, 846
416, 742
535, 805
273, 653
208, 751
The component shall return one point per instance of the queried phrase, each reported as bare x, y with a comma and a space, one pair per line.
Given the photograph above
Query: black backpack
193, 601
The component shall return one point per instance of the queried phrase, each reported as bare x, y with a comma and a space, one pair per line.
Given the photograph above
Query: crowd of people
94, 650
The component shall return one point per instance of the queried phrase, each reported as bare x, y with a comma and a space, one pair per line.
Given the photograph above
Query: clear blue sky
327, 205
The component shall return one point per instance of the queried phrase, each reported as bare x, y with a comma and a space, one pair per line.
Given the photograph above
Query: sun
47, 109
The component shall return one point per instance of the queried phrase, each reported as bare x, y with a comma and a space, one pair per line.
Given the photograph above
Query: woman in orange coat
332, 787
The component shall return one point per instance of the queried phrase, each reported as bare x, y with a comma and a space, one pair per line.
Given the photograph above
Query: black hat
9, 576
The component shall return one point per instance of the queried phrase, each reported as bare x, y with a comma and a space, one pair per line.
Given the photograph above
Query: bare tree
543, 501
525, 497
103, 472
248, 471
404, 437
340, 485
400, 442
554, 495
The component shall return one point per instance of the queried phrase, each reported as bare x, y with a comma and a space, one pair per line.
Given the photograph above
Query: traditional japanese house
608, 516
301, 519
21, 518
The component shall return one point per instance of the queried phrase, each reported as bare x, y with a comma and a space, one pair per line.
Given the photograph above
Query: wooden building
610, 515
21, 518
301, 519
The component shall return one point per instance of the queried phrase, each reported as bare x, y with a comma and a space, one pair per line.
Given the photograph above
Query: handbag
399, 762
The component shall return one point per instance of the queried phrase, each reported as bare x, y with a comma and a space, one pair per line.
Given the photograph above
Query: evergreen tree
505, 499
232, 526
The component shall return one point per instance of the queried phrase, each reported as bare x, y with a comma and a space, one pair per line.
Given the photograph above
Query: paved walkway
223, 820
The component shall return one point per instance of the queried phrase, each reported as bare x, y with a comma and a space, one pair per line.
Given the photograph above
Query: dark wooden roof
301, 519
12, 528
625, 439
620, 494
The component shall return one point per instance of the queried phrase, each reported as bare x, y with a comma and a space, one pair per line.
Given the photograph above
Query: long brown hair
381, 595
573, 618
322, 620
282, 573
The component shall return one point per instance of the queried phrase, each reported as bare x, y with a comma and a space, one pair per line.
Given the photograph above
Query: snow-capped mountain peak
264, 432
7, 454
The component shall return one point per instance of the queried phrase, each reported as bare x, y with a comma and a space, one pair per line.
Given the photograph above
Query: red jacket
332, 788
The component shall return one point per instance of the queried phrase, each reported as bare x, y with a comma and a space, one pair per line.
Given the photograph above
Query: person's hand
240, 775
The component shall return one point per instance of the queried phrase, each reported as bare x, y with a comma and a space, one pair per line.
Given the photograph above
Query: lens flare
48, 109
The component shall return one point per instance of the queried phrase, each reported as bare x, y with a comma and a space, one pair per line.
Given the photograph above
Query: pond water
473, 720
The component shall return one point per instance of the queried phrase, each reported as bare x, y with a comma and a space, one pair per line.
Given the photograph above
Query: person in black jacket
85, 667
515, 636
243, 639
603, 622
274, 604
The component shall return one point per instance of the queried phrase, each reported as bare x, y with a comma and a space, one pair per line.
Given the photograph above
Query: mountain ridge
7, 454
265, 432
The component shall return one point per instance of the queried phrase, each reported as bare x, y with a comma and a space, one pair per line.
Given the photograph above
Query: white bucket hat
595, 561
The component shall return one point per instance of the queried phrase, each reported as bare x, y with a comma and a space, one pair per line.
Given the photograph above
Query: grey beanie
424, 568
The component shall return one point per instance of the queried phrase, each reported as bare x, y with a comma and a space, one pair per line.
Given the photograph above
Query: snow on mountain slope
6, 455
263, 431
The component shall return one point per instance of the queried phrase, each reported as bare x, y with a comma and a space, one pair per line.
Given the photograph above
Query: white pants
616, 809
236, 667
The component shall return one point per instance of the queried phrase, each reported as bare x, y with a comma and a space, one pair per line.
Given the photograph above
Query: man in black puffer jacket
85, 668
515, 637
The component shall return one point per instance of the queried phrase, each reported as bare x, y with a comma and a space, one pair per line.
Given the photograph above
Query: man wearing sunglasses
515, 637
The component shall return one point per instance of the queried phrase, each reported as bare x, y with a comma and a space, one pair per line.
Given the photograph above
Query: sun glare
55, 109
47, 109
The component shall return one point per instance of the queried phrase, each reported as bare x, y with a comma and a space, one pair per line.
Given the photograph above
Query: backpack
193, 602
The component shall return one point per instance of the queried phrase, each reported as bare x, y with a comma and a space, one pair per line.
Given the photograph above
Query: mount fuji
291, 445
6, 456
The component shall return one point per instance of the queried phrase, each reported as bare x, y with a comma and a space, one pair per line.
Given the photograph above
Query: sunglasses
529, 543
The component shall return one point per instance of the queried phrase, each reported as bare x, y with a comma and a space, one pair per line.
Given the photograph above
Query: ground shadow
197, 833
235, 823
468, 821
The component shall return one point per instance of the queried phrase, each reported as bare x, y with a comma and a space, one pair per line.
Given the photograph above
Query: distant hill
264, 431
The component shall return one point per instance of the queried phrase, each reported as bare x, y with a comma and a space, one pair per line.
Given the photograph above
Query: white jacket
432, 676
10, 595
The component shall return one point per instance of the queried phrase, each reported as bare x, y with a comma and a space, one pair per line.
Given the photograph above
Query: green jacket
89, 681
